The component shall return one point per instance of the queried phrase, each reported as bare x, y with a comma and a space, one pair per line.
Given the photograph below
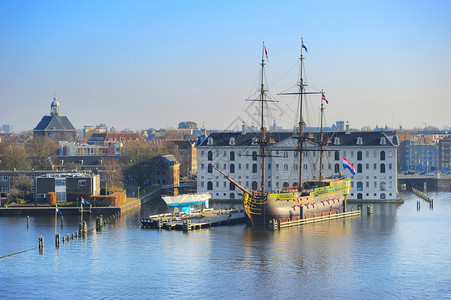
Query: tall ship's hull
324, 198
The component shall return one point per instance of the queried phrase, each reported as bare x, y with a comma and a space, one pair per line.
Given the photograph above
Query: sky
153, 64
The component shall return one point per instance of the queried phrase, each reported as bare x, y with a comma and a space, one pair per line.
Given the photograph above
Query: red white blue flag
347, 164
324, 98
58, 211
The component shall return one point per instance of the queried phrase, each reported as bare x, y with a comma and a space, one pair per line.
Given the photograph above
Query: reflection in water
384, 255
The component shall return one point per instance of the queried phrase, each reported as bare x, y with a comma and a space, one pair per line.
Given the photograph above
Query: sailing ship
310, 198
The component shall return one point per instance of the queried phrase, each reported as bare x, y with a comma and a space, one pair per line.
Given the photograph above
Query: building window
359, 186
337, 168
231, 186
382, 168
382, 186
359, 141
285, 167
383, 141
210, 141
254, 155
232, 141
254, 185
382, 155
367, 166
359, 168
336, 141
337, 155
209, 186
232, 155
210, 155
389, 166
210, 168
82, 182
232, 168
254, 168
60, 181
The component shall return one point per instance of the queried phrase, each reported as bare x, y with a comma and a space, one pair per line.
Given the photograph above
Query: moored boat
310, 198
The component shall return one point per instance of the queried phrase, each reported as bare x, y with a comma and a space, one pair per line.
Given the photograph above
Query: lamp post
138, 192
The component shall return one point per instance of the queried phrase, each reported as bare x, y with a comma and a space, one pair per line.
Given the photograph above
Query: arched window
254, 168
359, 168
210, 168
285, 167
382, 196
285, 185
382, 168
231, 186
295, 167
210, 186
254, 155
359, 155
337, 155
232, 155
337, 168
359, 196
295, 184
382, 155
232, 195
232, 168
210, 155
359, 186
254, 185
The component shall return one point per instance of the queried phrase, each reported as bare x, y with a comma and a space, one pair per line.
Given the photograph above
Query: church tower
55, 108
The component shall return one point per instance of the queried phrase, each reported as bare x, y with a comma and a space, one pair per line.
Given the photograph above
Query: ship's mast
301, 121
321, 142
262, 141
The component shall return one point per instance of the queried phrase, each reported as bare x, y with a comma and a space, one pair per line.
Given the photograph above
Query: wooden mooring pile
424, 196
278, 224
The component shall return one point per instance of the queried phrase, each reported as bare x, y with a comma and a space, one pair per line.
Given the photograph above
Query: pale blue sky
143, 64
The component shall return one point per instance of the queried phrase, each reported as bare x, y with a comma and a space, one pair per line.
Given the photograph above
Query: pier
205, 219
277, 224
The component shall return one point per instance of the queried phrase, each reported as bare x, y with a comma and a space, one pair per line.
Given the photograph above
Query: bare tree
114, 177
13, 155
42, 151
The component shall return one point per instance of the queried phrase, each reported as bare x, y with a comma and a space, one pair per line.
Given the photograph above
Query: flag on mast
266, 52
303, 46
347, 164
324, 98
84, 201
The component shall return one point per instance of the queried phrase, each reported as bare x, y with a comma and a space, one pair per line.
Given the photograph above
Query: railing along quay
277, 224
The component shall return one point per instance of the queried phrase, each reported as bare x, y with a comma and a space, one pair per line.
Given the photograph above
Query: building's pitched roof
55, 123
368, 138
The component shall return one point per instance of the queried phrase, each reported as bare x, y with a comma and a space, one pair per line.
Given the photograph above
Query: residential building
69, 187
188, 157
445, 154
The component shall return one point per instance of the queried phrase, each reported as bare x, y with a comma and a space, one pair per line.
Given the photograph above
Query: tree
23, 183
42, 151
13, 155
114, 177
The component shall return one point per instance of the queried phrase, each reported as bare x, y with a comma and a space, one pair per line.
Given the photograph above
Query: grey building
69, 187
55, 126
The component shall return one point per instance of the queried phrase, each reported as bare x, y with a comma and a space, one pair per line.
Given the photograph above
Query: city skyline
152, 64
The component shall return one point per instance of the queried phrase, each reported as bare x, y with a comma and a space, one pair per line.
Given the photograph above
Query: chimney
347, 129
243, 129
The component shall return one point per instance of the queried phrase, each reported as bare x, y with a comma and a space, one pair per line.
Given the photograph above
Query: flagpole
81, 209
56, 218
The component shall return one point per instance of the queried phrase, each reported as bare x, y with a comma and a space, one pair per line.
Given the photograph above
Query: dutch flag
84, 201
347, 164
58, 211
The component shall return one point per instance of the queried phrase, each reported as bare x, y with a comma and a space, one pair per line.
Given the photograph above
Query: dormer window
359, 141
232, 141
254, 141
383, 141
210, 141
337, 141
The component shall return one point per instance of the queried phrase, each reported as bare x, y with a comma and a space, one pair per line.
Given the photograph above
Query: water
397, 253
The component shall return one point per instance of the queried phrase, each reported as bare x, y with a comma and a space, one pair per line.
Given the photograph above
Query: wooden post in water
28, 221
41, 244
62, 221
369, 209
57, 240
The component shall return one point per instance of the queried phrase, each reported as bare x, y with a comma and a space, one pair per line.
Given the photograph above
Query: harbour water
398, 252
